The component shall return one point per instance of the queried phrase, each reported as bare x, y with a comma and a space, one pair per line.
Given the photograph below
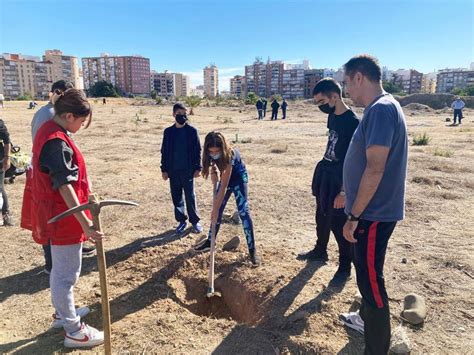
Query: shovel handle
103, 288
212, 255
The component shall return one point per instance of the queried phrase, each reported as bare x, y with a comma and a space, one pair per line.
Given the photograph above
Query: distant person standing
374, 179
259, 106
457, 106
5, 148
104, 101
284, 105
2, 98
275, 107
264, 100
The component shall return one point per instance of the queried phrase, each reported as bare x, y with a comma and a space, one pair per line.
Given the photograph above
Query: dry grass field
157, 284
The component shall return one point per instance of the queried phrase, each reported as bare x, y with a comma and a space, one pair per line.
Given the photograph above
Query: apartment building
409, 80
449, 79
237, 86
293, 84
311, 77
211, 80
130, 74
64, 67
23, 74
170, 84
428, 83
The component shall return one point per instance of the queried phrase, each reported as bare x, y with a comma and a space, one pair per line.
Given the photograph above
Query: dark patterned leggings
241, 198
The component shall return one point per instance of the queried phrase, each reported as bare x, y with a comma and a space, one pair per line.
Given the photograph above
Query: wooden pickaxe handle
104, 294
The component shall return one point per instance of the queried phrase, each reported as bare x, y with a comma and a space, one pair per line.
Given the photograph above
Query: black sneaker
340, 277
314, 255
88, 251
254, 258
8, 220
203, 247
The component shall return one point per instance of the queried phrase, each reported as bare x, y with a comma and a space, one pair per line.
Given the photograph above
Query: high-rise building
65, 67
211, 80
274, 78
185, 87
130, 74
449, 79
170, 84
293, 84
311, 78
237, 86
22, 74
279, 78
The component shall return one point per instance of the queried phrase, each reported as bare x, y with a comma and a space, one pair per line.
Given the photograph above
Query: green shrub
422, 139
25, 97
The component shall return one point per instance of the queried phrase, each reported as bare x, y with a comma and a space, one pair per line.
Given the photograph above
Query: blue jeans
458, 115
241, 198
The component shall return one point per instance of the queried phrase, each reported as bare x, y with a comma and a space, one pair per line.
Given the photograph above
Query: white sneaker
83, 338
59, 323
354, 321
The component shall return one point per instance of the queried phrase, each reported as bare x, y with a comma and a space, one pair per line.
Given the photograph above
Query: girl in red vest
58, 182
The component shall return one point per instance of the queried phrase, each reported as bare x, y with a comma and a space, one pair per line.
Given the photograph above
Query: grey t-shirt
383, 124
41, 116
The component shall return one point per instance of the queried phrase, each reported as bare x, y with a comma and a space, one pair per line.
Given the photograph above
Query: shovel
210, 290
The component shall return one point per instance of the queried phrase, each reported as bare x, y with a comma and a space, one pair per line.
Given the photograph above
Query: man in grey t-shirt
374, 176
46, 112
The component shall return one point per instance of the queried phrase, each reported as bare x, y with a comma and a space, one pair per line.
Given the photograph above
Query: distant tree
391, 87
25, 97
154, 94
193, 101
469, 90
103, 89
251, 98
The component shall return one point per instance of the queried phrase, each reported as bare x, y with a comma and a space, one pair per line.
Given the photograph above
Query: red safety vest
41, 202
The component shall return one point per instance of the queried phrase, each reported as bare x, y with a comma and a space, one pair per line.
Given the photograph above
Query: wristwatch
352, 218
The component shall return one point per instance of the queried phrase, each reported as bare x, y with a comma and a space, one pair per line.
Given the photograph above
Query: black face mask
181, 119
327, 109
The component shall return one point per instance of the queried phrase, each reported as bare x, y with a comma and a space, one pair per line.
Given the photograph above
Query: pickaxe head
93, 205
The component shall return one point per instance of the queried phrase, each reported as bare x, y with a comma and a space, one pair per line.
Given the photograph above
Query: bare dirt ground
157, 285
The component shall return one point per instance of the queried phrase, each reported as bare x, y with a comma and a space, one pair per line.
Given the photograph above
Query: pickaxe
94, 206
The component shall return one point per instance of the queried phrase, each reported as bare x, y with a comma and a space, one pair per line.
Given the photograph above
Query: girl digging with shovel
57, 183
233, 179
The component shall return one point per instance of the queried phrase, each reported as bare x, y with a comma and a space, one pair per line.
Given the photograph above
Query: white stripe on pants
67, 261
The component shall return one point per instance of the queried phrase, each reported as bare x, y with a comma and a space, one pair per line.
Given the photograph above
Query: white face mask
215, 156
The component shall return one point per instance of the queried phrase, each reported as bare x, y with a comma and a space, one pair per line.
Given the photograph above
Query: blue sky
185, 36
